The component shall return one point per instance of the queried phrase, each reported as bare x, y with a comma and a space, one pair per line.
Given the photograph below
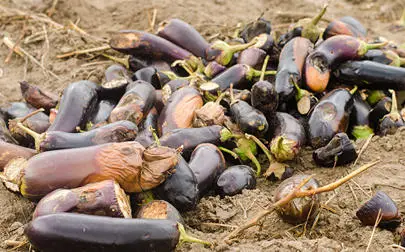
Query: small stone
388, 146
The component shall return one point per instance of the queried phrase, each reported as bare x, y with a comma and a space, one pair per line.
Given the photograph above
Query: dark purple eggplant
330, 116
190, 138
290, 67
148, 74
234, 179
105, 198
180, 188
161, 210
329, 54
78, 232
359, 118
37, 97
372, 75
252, 57
102, 112
5, 134
265, 42
19, 109
120, 131
183, 35
116, 80
172, 86
11, 151
255, 28
339, 151
382, 108
386, 57
138, 99
78, 102
345, 26
391, 121
288, 137
179, 111
145, 136
207, 163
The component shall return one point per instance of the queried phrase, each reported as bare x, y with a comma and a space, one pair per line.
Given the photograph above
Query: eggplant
290, 67
330, 116
213, 68
5, 134
359, 118
371, 75
339, 151
37, 97
161, 210
148, 74
78, 102
386, 57
391, 121
382, 108
11, 151
212, 113
105, 198
120, 131
21, 109
180, 110
145, 136
183, 35
138, 99
234, 179
329, 54
255, 28
345, 26
117, 79
180, 188
252, 57
79, 232
169, 88
265, 42
190, 138
288, 137
133, 167
374, 96
207, 163
102, 112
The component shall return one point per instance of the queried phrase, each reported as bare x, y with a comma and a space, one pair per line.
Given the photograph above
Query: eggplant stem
394, 106
123, 61
300, 92
266, 61
31, 114
365, 47
220, 97
262, 146
315, 20
233, 154
231, 94
155, 136
236, 48
184, 237
38, 138
353, 90
297, 193
252, 158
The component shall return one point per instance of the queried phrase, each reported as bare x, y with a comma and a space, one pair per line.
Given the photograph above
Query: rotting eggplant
288, 137
161, 210
266, 43
148, 74
290, 67
37, 97
133, 167
372, 75
184, 35
78, 232
20, 109
382, 108
383, 204
145, 136
180, 188
120, 131
345, 26
101, 113
179, 110
359, 118
78, 102
11, 151
329, 54
393, 120
329, 116
105, 198
172, 86
339, 151
212, 113
207, 163
297, 210
252, 57
255, 28
117, 79
136, 103
234, 179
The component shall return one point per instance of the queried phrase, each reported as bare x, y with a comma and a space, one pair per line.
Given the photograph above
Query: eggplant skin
78, 232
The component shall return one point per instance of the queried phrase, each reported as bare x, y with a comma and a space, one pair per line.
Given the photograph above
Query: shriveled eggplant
339, 151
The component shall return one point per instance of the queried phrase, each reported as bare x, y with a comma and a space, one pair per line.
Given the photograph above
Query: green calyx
365, 47
184, 237
283, 149
252, 73
362, 131
247, 150
309, 26
227, 51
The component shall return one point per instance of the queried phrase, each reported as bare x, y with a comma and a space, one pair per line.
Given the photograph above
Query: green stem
261, 145
236, 48
38, 138
122, 61
231, 94
256, 73
155, 136
220, 97
252, 157
184, 237
365, 47
266, 60
300, 93
394, 106
233, 154
184, 65
353, 90
315, 20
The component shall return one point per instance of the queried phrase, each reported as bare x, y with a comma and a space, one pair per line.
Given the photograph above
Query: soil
338, 229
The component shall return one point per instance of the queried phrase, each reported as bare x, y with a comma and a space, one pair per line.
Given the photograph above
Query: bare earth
338, 229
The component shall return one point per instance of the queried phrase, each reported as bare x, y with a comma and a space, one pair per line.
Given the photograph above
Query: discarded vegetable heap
190, 118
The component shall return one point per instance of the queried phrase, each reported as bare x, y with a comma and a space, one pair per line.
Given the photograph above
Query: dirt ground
338, 229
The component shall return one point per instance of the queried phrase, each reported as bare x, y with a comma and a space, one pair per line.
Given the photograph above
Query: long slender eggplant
78, 102
386, 57
161, 210
180, 110
329, 117
372, 75
145, 135
253, 57
145, 44
102, 112
345, 26
331, 53
255, 28
133, 167
359, 118
78, 232
120, 131
288, 137
38, 98
339, 151
21, 109
136, 103
393, 120
382, 108
180, 188
234, 179
207, 163
105, 198
190, 138
11, 151
290, 67
183, 35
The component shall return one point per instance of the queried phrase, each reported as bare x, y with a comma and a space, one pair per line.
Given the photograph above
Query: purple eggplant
102, 112
150, 75
386, 57
255, 28
345, 26
11, 151
234, 179
172, 86
391, 121
252, 57
382, 108
213, 68
145, 136
37, 97
161, 210
359, 118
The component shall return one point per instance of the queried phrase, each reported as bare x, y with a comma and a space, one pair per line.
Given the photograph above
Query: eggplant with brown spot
10, 151
37, 97
160, 210
213, 68
172, 86
345, 26
212, 113
117, 79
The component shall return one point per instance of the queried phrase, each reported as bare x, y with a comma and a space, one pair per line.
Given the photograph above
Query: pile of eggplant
113, 165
